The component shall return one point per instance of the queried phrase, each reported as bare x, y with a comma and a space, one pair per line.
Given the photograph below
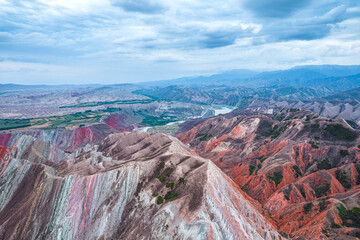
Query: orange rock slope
303, 169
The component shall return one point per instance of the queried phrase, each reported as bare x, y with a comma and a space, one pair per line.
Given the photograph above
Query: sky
125, 41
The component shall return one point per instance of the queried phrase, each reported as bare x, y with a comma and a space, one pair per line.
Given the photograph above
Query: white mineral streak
90, 204
10, 179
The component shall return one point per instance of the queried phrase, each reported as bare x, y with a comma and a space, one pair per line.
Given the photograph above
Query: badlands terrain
184, 159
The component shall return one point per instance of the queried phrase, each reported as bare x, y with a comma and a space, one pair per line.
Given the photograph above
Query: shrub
342, 178
164, 174
302, 191
307, 207
297, 170
323, 204
344, 153
314, 126
325, 164
262, 159
159, 200
251, 169
322, 190
277, 178
356, 210
161, 165
340, 132
170, 185
314, 144
170, 196
181, 180
350, 218
204, 137
138, 188
335, 225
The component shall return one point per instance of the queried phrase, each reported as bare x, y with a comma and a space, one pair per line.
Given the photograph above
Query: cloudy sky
117, 41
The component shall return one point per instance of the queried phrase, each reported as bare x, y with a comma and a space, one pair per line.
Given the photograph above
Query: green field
95, 104
57, 121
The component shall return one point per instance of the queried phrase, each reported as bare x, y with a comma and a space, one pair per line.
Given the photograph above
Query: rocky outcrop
64, 139
289, 163
128, 186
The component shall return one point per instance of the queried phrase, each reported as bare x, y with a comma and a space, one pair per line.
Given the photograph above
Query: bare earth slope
129, 186
302, 168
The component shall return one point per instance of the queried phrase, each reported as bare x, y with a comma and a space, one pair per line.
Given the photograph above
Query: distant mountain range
316, 76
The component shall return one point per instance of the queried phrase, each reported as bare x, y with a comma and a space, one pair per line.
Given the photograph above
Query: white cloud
179, 38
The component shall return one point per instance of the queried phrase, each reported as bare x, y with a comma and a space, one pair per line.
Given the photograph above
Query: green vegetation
342, 178
170, 185
170, 196
161, 165
262, 159
182, 180
325, 164
356, 210
95, 104
307, 207
325, 232
245, 189
163, 119
14, 123
251, 169
138, 188
350, 218
276, 131
335, 225
321, 190
204, 137
297, 170
277, 178
344, 152
279, 118
315, 126
286, 196
323, 204
57, 121
159, 200
340, 132
166, 173
314, 144
140, 92
357, 234
302, 191
259, 166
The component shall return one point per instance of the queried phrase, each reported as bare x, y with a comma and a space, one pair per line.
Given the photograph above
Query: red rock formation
129, 186
286, 162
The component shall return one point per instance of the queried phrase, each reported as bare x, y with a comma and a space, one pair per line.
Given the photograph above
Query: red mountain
303, 169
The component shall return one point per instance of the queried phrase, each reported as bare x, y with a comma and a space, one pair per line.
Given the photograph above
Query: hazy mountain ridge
299, 76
